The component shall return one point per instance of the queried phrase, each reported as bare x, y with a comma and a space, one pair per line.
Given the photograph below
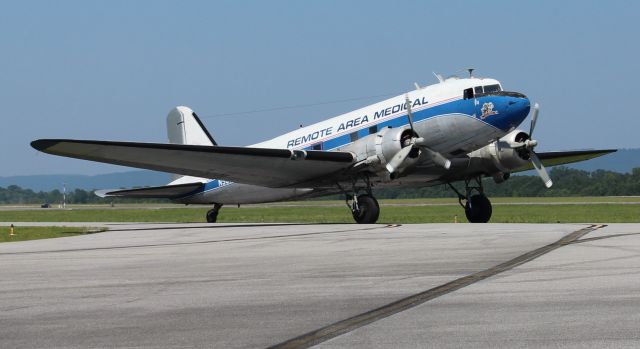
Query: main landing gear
364, 207
212, 214
477, 206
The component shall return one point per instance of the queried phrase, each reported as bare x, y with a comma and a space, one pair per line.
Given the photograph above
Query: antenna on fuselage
438, 76
470, 70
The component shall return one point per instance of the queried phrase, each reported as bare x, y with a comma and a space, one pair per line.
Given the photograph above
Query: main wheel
478, 209
212, 216
368, 210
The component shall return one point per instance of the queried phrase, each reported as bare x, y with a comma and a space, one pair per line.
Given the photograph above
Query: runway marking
194, 242
347, 325
603, 237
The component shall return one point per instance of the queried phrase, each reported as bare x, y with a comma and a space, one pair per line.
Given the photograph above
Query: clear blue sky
111, 70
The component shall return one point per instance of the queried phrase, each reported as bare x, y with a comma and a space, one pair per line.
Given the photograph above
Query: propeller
396, 162
534, 118
542, 172
528, 146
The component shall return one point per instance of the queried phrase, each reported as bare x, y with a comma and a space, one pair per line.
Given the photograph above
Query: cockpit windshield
473, 92
492, 88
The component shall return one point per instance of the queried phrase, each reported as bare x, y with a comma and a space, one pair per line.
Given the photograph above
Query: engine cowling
501, 157
376, 150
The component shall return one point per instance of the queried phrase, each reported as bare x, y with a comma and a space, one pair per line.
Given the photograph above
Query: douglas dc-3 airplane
460, 129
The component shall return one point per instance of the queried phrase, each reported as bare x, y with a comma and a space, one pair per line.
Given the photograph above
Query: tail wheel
212, 216
368, 210
478, 209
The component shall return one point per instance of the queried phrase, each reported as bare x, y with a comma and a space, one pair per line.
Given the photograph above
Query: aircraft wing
554, 158
258, 166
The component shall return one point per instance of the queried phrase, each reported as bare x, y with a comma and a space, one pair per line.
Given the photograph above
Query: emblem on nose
487, 110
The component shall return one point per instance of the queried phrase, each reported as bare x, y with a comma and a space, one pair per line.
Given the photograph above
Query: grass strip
35, 233
521, 213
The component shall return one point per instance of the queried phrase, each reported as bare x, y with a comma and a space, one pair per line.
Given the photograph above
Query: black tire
478, 209
212, 216
368, 210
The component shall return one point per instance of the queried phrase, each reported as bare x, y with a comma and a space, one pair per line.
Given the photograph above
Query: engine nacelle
376, 150
501, 157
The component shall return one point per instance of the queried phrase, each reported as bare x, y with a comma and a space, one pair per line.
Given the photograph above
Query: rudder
184, 127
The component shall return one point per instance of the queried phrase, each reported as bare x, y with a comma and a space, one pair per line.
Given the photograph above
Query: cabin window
354, 136
373, 129
492, 88
317, 146
468, 93
478, 89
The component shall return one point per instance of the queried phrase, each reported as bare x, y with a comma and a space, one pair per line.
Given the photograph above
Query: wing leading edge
258, 166
555, 158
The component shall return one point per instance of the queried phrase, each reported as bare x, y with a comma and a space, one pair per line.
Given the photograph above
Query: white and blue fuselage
455, 117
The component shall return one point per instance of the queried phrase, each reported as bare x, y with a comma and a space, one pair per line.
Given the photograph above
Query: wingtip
43, 144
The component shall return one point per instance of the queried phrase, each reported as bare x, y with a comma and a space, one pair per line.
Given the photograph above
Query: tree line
14, 195
566, 182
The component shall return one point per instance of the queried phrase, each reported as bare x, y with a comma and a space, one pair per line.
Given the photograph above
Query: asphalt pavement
333, 285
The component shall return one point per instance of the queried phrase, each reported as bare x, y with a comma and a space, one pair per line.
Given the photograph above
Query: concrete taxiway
331, 285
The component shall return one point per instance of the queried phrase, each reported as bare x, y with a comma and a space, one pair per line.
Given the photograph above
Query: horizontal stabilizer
165, 191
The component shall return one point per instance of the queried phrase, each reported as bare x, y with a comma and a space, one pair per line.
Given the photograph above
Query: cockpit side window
478, 89
468, 93
492, 88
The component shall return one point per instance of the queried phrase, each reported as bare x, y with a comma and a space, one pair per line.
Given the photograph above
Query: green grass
505, 210
421, 201
391, 212
35, 233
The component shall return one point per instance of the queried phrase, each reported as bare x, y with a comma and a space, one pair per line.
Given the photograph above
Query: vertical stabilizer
184, 127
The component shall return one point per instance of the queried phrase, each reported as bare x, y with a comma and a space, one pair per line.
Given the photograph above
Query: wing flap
257, 166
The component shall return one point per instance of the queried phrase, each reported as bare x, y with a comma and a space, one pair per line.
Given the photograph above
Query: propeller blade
542, 172
409, 114
398, 159
534, 119
437, 158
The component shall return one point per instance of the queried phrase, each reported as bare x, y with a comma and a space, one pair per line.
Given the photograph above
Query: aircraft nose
518, 109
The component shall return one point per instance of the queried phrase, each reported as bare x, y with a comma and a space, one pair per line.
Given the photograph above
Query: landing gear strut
477, 206
212, 214
364, 207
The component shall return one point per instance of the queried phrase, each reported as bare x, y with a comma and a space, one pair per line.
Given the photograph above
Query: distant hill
106, 181
622, 161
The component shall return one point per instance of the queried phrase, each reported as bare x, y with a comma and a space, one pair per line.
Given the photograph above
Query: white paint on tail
184, 127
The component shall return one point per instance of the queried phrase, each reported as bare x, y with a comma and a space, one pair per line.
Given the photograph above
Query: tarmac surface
330, 285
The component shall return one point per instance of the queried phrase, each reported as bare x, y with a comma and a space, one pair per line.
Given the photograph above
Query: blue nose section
517, 110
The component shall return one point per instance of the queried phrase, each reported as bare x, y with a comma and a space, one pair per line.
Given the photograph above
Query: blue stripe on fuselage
510, 112
208, 186
506, 118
